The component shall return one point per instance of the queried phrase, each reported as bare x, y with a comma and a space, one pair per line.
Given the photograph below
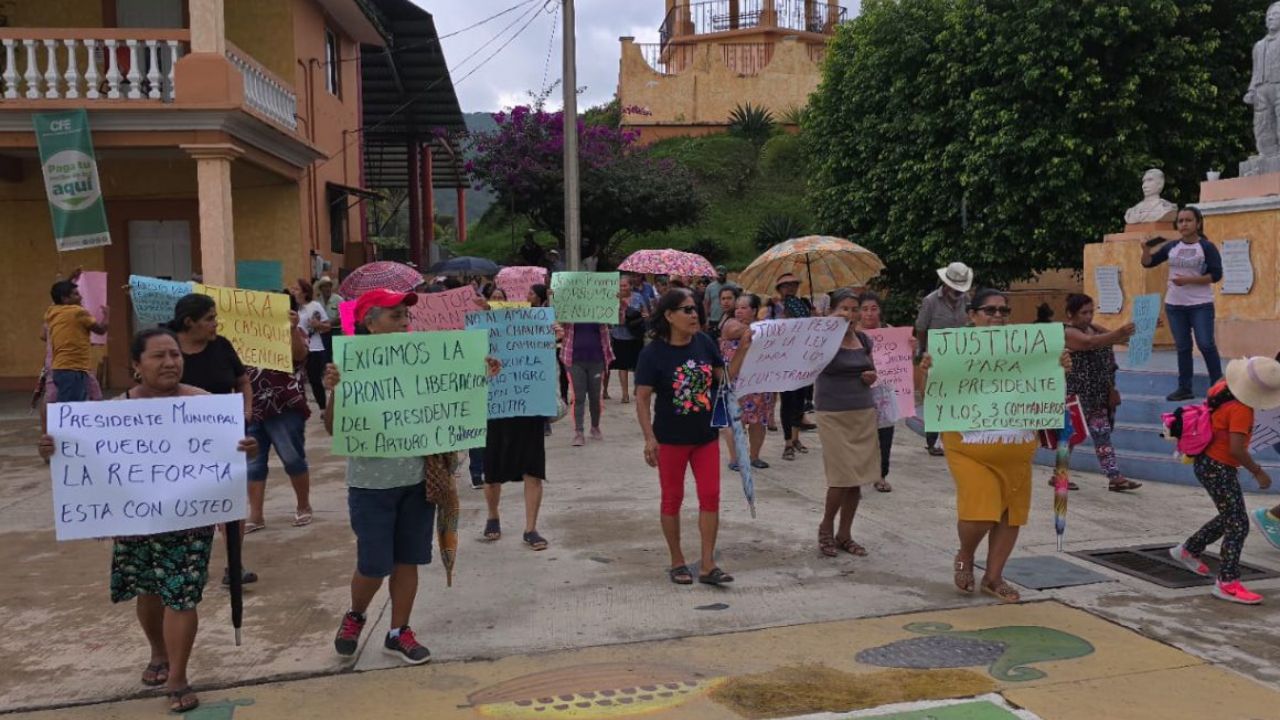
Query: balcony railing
108, 64
716, 16
671, 60
264, 91
747, 58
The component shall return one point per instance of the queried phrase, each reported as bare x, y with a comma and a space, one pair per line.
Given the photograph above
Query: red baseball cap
382, 299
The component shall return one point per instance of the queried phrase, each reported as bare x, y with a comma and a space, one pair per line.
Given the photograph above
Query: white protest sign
1266, 429
788, 354
141, 467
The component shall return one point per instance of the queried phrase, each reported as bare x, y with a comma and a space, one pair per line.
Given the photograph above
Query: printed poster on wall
71, 181
1110, 294
1237, 268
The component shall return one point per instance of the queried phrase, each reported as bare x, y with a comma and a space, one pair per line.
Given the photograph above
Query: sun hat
957, 276
786, 279
326, 280
1255, 382
382, 299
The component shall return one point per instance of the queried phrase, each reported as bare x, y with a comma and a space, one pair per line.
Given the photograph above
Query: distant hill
478, 201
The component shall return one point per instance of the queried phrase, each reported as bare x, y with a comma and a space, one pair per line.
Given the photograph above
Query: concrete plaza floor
599, 596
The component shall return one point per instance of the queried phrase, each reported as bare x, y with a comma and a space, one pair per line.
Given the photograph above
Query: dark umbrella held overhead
465, 265
235, 571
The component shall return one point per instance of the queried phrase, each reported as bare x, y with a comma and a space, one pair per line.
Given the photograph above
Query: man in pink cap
390, 515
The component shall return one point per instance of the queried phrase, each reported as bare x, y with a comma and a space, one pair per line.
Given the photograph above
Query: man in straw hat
946, 307
1250, 384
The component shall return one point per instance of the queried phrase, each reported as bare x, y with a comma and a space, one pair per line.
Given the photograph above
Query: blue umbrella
465, 265
743, 447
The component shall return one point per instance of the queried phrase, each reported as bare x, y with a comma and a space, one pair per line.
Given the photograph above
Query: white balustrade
264, 93
110, 68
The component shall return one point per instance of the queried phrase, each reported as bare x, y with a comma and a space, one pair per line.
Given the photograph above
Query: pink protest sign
93, 293
442, 311
891, 350
516, 281
347, 316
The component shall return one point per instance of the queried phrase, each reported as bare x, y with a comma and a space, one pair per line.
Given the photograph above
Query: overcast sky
506, 78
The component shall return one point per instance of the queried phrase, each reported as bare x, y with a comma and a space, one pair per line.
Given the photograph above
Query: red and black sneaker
405, 646
348, 638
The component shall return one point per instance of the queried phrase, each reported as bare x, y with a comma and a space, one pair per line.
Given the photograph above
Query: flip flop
1124, 486
715, 577
156, 671
883, 486
680, 575
852, 547
302, 519
1002, 591
535, 541
253, 527
492, 529
964, 576
182, 701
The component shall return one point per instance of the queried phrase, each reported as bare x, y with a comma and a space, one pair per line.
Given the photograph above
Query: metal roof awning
361, 193
408, 99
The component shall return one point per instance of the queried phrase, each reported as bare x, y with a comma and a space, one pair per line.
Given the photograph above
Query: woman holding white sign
757, 408
847, 427
682, 370
992, 472
166, 572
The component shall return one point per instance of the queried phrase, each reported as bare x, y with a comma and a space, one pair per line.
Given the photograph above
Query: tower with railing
715, 55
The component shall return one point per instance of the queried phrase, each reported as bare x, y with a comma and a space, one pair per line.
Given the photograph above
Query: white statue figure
1264, 87
1153, 208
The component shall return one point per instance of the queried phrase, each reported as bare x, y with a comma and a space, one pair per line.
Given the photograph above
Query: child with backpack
1250, 384
1268, 519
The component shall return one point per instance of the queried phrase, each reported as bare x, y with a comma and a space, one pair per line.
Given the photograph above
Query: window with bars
332, 63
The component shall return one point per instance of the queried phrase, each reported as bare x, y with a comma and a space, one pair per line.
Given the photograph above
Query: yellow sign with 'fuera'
256, 323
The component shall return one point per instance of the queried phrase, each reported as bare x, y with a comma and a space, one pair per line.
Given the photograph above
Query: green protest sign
71, 180
410, 394
585, 297
996, 378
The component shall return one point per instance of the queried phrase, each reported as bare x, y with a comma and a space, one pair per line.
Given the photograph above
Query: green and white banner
71, 180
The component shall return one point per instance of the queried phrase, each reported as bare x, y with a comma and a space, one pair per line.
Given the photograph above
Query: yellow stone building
713, 56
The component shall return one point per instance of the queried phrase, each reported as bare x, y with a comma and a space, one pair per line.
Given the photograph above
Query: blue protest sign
1146, 311
524, 340
153, 299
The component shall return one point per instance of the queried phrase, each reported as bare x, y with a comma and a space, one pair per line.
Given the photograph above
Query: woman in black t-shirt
682, 368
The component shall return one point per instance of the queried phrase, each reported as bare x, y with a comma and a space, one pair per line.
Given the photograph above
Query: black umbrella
235, 571
465, 265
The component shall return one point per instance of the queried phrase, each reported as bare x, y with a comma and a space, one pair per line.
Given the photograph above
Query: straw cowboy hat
957, 276
1255, 382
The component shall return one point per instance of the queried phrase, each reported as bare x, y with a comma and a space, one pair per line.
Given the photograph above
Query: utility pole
572, 217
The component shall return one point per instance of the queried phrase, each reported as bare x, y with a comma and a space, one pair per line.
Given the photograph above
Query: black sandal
177, 706
680, 575
715, 577
535, 541
492, 529
159, 673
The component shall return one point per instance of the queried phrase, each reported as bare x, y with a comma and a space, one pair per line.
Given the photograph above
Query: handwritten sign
1266, 430
1146, 313
410, 394
153, 299
996, 378
1110, 295
788, 354
1237, 268
265, 275
506, 305
442, 311
516, 281
524, 340
891, 351
141, 467
93, 294
256, 323
347, 316
583, 297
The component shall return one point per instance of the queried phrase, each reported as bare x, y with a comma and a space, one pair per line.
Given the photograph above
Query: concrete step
1156, 382
1145, 409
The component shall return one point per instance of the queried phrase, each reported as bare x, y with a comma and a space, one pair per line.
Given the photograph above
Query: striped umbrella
822, 263
668, 262
382, 275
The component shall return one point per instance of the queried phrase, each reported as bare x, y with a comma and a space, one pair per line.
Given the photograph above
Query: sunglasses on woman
687, 309
993, 310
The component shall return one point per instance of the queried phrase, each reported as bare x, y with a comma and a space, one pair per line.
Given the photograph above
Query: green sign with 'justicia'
71, 180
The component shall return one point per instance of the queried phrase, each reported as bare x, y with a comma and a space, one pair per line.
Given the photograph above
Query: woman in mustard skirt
992, 472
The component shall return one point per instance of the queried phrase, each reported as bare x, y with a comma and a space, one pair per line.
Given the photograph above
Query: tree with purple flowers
624, 189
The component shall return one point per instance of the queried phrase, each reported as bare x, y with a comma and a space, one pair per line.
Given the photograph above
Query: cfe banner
71, 180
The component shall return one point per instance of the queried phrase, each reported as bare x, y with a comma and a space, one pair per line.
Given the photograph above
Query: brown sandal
852, 547
827, 544
1001, 591
883, 486
156, 674
964, 575
789, 453
183, 700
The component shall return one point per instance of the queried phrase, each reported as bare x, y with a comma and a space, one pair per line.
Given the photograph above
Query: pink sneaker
1236, 592
1191, 562
578, 440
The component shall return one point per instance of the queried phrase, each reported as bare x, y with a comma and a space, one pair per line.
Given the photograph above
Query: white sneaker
1189, 561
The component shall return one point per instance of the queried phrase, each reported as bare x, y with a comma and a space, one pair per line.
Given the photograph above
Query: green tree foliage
720, 163
1009, 133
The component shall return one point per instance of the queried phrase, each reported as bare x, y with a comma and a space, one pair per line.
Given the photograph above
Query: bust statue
1153, 208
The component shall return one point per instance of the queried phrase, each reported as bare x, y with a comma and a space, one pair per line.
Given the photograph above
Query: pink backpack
1191, 426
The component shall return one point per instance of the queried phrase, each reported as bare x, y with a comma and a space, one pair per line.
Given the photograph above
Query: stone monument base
1259, 165
1124, 250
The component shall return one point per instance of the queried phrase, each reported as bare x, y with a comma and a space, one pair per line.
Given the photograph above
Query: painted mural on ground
587, 692
1008, 651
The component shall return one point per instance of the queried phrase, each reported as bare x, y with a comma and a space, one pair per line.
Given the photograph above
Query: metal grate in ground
1153, 564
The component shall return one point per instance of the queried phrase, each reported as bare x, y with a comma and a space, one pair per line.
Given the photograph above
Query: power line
436, 40
504, 45
551, 44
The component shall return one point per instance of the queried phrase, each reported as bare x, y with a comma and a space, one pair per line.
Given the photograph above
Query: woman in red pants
682, 370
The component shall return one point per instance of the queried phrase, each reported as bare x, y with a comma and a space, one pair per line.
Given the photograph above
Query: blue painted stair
1141, 451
